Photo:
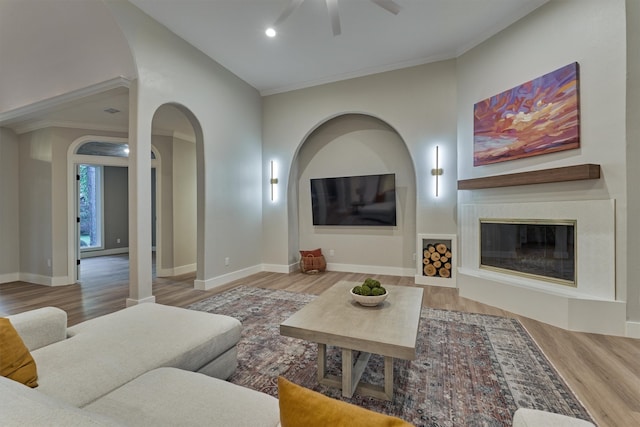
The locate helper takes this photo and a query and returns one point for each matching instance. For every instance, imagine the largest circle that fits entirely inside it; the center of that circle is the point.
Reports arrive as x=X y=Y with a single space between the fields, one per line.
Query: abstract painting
x=538 y=117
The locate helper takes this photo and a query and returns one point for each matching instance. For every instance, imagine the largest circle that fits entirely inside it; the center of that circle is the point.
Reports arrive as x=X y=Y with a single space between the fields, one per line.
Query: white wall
x=359 y=145
x=184 y=205
x=164 y=179
x=227 y=112
x=35 y=159
x=43 y=197
x=633 y=160
x=417 y=102
x=9 y=207
x=50 y=48
x=592 y=33
x=44 y=213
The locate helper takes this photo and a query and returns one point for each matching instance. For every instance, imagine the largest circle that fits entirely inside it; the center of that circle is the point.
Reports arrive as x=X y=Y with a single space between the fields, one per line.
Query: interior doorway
x=99 y=201
x=177 y=193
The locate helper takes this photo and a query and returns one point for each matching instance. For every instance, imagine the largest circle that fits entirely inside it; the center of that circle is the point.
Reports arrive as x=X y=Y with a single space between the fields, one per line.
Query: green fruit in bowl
x=378 y=291
x=367 y=290
x=371 y=283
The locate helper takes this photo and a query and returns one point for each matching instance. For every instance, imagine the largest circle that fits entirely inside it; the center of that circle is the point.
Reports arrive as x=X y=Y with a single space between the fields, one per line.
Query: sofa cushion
x=22 y=406
x=106 y=352
x=41 y=327
x=301 y=407
x=16 y=362
x=171 y=397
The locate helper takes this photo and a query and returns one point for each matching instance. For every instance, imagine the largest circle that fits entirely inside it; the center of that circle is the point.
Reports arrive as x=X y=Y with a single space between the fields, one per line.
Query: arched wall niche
x=351 y=144
x=177 y=134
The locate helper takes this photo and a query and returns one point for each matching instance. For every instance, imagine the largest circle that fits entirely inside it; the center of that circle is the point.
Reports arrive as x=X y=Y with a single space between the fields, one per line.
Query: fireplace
x=589 y=304
x=538 y=249
x=592 y=253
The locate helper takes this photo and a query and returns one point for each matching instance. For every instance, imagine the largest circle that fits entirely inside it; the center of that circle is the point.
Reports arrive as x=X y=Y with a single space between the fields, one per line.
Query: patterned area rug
x=471 y=370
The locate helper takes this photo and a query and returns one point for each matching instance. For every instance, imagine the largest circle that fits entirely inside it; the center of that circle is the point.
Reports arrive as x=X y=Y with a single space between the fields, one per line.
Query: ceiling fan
x=332 y=5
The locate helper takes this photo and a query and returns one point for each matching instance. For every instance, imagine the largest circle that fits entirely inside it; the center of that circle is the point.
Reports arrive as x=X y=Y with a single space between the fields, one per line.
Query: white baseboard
x=214 y=282
x=131 y=301
x=372 y=269
x=280 y=268
x=114 y=251
x=347 y=268
x=177 y=271
x=448 y=282
x=633 y=329
x=45 y=280
x=8 y=278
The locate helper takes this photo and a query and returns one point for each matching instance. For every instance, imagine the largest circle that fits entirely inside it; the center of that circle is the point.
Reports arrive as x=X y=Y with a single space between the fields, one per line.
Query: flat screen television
x=354 y=200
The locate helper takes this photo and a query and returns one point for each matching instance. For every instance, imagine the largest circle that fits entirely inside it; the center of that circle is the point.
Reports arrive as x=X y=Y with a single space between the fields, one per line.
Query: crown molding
x=24 y=112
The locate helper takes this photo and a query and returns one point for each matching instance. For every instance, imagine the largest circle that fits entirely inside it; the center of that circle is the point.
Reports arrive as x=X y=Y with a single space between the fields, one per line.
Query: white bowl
x=369 y=301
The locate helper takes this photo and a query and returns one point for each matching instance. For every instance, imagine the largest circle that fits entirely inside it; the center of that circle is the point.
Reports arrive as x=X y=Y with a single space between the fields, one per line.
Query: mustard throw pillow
x=301 y=407
x=16 y=362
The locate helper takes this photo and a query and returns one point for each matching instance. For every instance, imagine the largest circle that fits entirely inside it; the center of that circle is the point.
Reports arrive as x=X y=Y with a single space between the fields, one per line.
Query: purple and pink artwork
x=537 y=117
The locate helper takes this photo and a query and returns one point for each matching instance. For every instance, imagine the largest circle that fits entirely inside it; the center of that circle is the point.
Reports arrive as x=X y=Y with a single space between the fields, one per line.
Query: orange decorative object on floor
x=312 y=261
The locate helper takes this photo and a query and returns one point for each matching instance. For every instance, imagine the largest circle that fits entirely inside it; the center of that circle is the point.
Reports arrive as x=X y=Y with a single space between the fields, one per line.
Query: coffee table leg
x=388 y=377
x=349 y=381
x=347 y=376
x=322 y=362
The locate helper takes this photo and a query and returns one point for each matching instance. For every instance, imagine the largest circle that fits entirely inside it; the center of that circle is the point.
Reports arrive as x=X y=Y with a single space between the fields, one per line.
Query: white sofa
x=149 y=364
x=145 y=366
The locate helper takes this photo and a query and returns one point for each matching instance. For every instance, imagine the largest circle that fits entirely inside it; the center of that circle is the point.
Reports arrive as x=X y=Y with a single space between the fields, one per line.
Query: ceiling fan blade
x=332 y=5
x=388 y=5
x=293 y=5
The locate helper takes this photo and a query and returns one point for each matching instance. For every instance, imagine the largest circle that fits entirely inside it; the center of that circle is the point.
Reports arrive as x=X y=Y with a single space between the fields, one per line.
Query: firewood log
x=430 y=270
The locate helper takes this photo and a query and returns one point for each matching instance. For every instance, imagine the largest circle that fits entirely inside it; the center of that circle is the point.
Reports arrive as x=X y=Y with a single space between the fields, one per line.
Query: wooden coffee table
x=389 y=329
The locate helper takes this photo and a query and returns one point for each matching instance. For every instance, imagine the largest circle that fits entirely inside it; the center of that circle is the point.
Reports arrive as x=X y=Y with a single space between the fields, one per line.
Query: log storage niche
x=436 y=260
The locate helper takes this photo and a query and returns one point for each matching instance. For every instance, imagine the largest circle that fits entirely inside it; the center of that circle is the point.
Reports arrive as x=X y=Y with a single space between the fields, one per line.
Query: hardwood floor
x=604 y=371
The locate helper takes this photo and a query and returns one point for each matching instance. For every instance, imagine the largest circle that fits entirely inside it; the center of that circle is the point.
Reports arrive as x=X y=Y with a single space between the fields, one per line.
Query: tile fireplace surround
x=590 y=306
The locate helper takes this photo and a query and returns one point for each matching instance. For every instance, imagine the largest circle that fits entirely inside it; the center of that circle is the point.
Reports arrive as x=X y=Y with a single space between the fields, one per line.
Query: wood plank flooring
x=604 y=371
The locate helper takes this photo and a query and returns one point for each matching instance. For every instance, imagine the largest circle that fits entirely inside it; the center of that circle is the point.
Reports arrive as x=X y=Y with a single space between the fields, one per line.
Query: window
x=110 y=149
x=90 y=207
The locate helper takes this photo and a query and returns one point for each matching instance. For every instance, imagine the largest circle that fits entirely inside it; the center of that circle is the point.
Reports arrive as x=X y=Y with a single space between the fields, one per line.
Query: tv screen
x=354 y=200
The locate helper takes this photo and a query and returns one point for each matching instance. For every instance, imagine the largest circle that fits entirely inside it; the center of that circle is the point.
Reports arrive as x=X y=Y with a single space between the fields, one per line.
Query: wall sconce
x=273 y=181
x=438 y=170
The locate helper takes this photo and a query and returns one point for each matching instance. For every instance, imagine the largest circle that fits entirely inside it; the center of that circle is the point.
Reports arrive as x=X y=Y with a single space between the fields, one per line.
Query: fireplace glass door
x=540 y=249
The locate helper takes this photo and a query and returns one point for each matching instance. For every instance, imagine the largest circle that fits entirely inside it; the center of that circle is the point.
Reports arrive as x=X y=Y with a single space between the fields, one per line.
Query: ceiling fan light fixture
x=334 y=15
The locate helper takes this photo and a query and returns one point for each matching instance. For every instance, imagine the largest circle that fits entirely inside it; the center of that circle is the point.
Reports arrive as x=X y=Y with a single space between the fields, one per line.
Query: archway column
x=140 y=269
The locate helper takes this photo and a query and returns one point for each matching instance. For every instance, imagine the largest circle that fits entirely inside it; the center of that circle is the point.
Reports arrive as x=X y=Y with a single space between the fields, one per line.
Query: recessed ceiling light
x=271 y=32
x=111 y=110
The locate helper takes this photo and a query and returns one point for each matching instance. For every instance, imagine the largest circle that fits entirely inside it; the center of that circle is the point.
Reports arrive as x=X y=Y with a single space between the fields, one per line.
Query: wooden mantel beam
x=561 y=174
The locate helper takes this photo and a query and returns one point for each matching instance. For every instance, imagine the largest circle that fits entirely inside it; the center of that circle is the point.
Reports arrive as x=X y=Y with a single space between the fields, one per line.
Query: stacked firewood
x=437 y=260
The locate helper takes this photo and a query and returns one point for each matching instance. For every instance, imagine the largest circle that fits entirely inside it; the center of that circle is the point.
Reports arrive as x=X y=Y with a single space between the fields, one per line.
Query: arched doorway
x=177 y=135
